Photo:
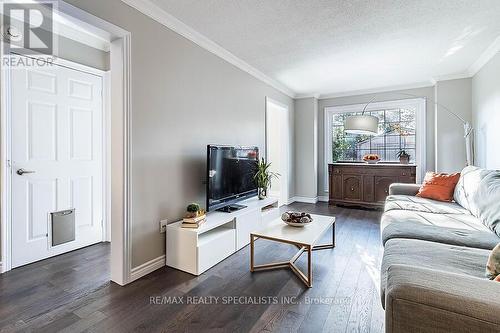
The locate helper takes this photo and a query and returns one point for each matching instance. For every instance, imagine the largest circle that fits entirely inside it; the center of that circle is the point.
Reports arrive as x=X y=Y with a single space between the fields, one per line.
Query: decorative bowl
x=371 y=158
x=296 y=219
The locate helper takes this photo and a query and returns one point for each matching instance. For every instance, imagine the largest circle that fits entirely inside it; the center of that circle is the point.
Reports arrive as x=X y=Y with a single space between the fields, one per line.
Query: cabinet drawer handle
x=352 y=188
x=404 y=173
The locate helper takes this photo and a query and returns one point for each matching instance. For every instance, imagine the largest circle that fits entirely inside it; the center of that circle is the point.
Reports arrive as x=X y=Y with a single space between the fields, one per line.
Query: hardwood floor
x=71 y=292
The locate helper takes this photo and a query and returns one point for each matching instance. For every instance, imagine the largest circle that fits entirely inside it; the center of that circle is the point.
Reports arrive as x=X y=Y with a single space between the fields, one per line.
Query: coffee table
x=304 y=238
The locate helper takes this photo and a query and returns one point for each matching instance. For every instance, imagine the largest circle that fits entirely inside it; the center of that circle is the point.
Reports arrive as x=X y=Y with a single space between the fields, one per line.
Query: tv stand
x=196 y=250
x=231 y=208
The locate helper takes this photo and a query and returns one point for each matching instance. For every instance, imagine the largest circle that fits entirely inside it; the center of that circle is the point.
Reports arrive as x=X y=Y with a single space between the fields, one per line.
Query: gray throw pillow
x=486 y=201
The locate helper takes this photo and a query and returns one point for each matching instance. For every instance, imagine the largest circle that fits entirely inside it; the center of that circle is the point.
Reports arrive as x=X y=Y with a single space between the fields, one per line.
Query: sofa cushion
x=448 y=258
x=418 y=204
x=478 y=190
x=455 y=229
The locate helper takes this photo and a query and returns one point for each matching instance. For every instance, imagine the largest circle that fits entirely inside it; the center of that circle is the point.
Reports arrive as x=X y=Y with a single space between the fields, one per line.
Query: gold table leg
x=327 y=246
x=306 y=279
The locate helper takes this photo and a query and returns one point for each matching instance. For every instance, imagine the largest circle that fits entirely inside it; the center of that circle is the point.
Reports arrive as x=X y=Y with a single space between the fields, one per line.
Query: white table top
x=307 y=235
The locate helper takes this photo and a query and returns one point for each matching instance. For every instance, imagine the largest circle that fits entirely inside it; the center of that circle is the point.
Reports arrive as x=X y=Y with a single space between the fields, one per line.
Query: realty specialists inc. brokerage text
x=242 y=300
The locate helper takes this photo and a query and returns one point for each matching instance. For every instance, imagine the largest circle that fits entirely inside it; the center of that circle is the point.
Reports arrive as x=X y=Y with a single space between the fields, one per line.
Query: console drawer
x=214 y=246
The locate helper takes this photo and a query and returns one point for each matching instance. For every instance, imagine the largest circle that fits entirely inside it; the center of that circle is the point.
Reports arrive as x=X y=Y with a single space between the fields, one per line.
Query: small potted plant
x=263 y=177
x=404 y=157
x=194 y=210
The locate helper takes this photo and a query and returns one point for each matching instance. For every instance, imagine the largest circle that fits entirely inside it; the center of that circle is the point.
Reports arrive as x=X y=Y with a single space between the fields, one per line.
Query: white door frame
x=286 y=191
x=116 y=152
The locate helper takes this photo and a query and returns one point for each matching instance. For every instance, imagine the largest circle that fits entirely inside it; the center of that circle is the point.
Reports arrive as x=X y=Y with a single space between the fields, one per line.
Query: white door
x=56 y=136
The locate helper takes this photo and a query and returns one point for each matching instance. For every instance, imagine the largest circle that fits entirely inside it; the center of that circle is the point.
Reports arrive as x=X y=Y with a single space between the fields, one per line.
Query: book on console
x=194 y=219
x=193 y=225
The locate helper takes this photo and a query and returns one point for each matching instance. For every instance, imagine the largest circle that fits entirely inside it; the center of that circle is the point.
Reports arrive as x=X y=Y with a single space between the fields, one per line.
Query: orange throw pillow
x=439 y=186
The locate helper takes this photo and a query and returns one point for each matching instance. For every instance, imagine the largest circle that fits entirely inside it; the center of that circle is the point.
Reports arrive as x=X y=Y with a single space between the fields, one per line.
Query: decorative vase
x=262 y=193
x=404 y=160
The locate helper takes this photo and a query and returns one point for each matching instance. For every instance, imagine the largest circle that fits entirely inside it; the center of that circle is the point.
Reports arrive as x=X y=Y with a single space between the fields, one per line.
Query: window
x=396 y=132
x=401 y=126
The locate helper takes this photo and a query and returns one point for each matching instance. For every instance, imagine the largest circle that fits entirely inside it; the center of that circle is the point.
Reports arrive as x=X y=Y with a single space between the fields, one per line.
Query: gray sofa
x=435 y=254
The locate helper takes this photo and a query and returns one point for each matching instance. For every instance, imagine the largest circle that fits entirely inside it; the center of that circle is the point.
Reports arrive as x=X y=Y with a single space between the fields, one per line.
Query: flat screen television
x=230 y=171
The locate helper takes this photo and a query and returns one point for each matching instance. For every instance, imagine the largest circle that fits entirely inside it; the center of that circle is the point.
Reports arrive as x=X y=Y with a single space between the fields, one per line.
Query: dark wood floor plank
x=346 y=290
x=72 y=292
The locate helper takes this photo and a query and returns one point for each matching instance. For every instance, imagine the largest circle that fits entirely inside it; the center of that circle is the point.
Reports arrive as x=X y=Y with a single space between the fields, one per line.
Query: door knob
x=21 y=172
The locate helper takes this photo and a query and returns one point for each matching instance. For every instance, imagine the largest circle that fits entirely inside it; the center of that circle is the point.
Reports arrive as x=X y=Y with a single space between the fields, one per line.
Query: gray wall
x=427 y=92
x=486 y=113
x=183 y=97
x=83 y=54
x=455 y=95
x=306 y=147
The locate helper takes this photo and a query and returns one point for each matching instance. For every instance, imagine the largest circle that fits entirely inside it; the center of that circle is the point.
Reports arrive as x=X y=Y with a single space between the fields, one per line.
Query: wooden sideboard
x=366 y=185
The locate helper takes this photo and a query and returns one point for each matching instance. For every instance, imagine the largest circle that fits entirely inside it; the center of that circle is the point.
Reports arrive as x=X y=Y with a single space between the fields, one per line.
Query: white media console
x=196 y=250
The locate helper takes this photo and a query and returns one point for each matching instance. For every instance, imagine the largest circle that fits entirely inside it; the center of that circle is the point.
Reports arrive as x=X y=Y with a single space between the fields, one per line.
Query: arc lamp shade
x=361 y=124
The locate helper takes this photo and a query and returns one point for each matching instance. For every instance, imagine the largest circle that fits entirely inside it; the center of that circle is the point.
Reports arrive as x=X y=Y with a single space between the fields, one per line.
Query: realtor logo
x=29 y=28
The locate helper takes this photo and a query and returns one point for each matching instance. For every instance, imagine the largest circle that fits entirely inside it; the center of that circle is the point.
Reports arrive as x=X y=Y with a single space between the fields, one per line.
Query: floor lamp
x=368 y=125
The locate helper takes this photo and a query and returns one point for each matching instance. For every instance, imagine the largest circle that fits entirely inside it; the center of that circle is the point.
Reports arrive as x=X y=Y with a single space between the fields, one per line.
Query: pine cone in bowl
x=296 y=219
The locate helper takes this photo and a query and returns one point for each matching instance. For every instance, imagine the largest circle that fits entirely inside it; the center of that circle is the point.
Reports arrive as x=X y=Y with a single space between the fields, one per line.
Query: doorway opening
x=64 y=127
x=278 y=148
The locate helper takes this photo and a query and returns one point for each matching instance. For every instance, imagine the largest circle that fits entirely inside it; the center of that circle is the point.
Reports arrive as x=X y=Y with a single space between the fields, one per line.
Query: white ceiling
x=337 y=46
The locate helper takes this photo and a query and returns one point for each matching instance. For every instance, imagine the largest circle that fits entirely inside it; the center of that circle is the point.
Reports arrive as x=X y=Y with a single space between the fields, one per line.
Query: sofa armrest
x=426 y=300
x=404 y=189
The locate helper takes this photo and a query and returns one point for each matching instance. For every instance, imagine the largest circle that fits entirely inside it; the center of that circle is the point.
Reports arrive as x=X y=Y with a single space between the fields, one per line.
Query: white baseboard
x=323 y=198
x=311 y=200
x=146 y=268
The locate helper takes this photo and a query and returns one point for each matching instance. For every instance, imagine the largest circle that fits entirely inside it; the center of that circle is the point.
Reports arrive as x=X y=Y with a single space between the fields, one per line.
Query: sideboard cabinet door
x=351 y=187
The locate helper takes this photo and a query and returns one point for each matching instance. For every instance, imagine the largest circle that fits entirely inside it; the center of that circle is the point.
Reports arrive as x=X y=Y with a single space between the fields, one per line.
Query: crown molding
x=387 y=89
x=485 y=57
x=300 y=96
x=161 y=16
x=457 y=76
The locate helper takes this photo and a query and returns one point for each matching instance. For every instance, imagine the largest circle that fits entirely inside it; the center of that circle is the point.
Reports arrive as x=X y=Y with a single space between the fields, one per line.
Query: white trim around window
x=419 y=104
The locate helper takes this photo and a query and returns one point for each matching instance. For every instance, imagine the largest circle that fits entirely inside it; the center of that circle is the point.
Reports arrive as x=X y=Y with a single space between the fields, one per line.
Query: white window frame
x=419 y=104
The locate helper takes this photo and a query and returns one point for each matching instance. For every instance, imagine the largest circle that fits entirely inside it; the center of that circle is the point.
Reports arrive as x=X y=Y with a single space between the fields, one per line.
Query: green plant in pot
x=194 y=210
x=404 y=157
x=263 y=177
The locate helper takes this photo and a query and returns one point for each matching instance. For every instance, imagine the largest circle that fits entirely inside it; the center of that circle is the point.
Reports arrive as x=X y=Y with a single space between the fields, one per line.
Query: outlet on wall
x=163 y=226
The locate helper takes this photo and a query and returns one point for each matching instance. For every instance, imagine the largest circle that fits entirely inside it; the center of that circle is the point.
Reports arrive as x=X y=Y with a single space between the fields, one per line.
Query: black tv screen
x=230 y=171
